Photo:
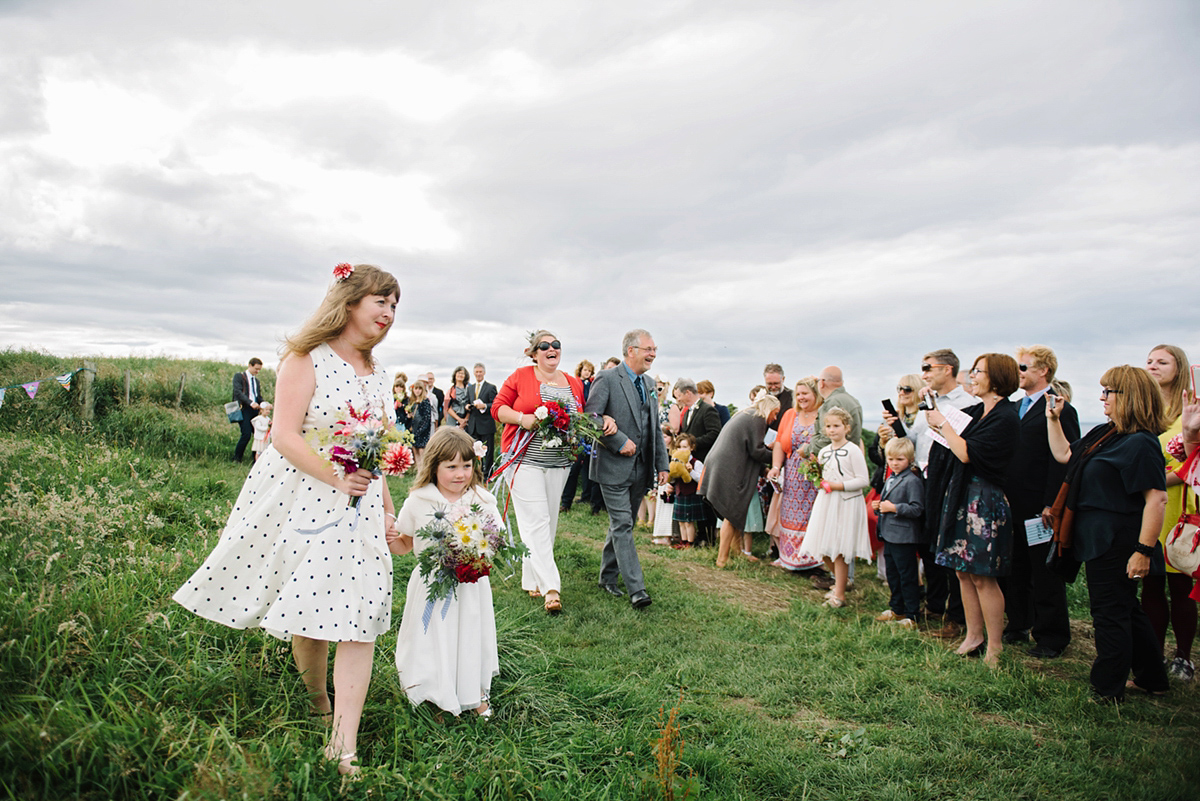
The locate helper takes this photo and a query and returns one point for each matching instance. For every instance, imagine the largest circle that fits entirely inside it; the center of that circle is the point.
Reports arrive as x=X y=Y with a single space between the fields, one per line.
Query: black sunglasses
x=925 y=368
x=555 y=345
x=1022 y=367
x=904 y=389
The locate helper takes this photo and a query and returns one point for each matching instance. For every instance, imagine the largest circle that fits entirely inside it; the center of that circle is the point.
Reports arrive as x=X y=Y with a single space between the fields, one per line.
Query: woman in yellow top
x=1168 y=365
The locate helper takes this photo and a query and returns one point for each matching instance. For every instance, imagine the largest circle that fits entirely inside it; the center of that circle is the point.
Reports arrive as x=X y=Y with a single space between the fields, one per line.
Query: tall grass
x=109 y=690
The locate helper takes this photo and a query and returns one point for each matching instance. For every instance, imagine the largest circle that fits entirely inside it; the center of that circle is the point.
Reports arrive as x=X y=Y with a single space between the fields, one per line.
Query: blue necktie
x=1026 y=402
x=637 y=382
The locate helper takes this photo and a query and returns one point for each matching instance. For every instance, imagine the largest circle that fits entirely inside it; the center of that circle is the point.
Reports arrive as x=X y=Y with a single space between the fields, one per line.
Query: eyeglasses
x=904 y=389
x=977 y=371
x=555 y=345
x=925 y=368
x=1105 y=392
x=648 y=350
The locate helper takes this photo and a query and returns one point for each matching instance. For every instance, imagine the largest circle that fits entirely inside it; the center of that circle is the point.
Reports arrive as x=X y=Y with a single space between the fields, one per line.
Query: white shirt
x=918 y=432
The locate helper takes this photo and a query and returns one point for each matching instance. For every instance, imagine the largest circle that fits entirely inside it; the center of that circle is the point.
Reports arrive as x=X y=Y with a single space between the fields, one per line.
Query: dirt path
x=753 y=596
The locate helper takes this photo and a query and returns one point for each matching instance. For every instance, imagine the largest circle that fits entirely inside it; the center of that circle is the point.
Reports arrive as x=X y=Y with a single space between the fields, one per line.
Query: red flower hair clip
x=343 y=271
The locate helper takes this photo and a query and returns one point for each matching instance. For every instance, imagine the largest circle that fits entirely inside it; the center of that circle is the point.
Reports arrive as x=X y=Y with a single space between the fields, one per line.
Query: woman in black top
x=1117 y=489
x=974 y=524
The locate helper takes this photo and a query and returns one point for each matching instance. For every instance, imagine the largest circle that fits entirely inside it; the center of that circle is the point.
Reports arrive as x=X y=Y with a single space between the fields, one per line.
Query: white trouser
x=536 y=493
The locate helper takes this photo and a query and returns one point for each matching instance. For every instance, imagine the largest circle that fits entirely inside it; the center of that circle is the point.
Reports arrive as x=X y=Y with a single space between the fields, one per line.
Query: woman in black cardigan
x=973 y=523
x=1117 y=489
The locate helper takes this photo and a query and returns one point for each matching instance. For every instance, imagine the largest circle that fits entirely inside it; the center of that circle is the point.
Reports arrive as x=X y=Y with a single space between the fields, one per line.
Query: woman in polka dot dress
x=294 y=559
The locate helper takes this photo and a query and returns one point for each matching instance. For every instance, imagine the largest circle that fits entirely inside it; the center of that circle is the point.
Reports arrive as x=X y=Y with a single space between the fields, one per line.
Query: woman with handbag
x=1116 y=495
x=1168 y=366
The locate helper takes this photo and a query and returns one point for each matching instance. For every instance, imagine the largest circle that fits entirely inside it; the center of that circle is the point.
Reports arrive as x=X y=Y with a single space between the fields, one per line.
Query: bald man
x=829 y=384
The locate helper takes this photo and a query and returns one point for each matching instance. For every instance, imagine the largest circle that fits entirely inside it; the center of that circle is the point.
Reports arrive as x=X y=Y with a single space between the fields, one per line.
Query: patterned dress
x=294 y=558
x=799 y=494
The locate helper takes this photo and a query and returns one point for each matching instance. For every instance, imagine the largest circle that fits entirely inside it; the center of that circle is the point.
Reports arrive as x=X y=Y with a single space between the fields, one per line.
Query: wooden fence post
x=87 y=397
x=179 y=397
x=127 y=382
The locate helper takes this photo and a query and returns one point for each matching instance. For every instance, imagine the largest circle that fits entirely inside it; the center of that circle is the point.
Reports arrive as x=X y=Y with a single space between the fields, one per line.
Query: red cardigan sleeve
x=522 y=393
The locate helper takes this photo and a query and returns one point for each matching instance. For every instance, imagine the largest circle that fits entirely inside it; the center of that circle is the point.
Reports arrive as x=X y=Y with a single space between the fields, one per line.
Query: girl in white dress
x=447 y=657
x=837 y=529
x=293 y=559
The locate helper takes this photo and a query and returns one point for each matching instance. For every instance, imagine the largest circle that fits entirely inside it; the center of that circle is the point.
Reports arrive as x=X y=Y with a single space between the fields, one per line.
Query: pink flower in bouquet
x=343 y=460
x=397 y=459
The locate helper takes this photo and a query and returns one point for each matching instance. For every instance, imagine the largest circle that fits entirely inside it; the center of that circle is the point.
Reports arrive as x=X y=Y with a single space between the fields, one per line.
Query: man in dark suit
x=480 y=424
x=773 y=380
x=1035 y=598
x=697 y=417
x=247 y=393
x=630 y=460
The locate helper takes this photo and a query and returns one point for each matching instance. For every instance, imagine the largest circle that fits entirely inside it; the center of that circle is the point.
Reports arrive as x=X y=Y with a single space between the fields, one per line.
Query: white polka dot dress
x=294 y=558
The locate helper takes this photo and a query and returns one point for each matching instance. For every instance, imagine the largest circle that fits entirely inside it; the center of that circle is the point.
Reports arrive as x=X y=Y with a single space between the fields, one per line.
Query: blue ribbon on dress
x=353 y=526
x=427 y=614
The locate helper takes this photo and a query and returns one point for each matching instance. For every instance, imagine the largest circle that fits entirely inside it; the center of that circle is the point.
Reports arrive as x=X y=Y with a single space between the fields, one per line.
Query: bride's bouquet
x=365 y=441
x=468 y=543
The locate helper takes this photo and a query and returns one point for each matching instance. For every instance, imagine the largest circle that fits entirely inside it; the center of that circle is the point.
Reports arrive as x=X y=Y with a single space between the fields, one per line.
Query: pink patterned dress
x=798 y=497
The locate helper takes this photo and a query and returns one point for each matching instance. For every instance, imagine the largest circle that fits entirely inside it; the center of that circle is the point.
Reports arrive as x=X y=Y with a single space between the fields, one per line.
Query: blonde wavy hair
x=330 y=318
x=809 y=381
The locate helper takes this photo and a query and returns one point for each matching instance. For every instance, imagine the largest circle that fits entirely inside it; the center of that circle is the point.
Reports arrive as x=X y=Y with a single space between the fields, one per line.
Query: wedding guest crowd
x=1001 y=501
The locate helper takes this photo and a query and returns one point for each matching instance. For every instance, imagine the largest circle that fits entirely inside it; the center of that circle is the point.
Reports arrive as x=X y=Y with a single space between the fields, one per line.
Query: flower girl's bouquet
x=468 y=543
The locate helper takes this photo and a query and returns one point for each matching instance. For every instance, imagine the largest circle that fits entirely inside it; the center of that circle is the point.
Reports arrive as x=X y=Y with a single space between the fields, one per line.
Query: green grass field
x=109 y=690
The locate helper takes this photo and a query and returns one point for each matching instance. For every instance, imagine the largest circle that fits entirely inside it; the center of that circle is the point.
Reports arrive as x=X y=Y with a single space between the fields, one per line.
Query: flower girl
x=446 y=648
x=837 y=529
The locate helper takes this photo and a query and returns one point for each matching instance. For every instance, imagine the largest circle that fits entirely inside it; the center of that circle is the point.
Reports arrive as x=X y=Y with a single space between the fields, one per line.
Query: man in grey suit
x=630 y=455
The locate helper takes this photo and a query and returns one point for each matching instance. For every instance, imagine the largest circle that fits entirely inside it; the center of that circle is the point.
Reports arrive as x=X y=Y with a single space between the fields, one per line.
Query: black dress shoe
x=612 y=589
x=640 y=599
x=1015 y=637
x=1045 y=652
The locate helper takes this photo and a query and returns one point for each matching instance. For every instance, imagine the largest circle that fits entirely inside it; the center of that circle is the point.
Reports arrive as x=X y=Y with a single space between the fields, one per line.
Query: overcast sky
x=807 y=183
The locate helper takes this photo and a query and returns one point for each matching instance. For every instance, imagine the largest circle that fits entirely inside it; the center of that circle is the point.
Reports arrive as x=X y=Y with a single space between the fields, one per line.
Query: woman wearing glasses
x=1116 y=479
x=974 y=524
x=536 y=474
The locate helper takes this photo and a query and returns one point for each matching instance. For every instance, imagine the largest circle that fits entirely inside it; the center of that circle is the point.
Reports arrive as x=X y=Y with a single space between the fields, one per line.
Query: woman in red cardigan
x=536 y=478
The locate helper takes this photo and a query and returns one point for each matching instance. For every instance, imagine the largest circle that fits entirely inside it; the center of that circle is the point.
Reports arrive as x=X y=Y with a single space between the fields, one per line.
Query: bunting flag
x=31 y=387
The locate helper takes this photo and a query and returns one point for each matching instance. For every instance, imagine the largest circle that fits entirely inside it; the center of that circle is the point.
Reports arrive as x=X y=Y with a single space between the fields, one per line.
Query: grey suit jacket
x=907 y=524
x=614 y=394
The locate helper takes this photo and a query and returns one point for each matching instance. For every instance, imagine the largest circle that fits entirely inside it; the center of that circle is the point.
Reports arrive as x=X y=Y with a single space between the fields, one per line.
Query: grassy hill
x=109 y=690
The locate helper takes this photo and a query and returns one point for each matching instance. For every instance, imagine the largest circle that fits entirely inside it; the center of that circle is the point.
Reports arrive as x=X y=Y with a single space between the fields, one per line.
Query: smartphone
x=890 y=408
x=1196 y=382
x=1051 y=399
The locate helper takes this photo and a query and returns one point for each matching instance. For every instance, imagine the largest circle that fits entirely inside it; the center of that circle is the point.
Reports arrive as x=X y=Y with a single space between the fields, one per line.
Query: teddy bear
x=679 y=470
